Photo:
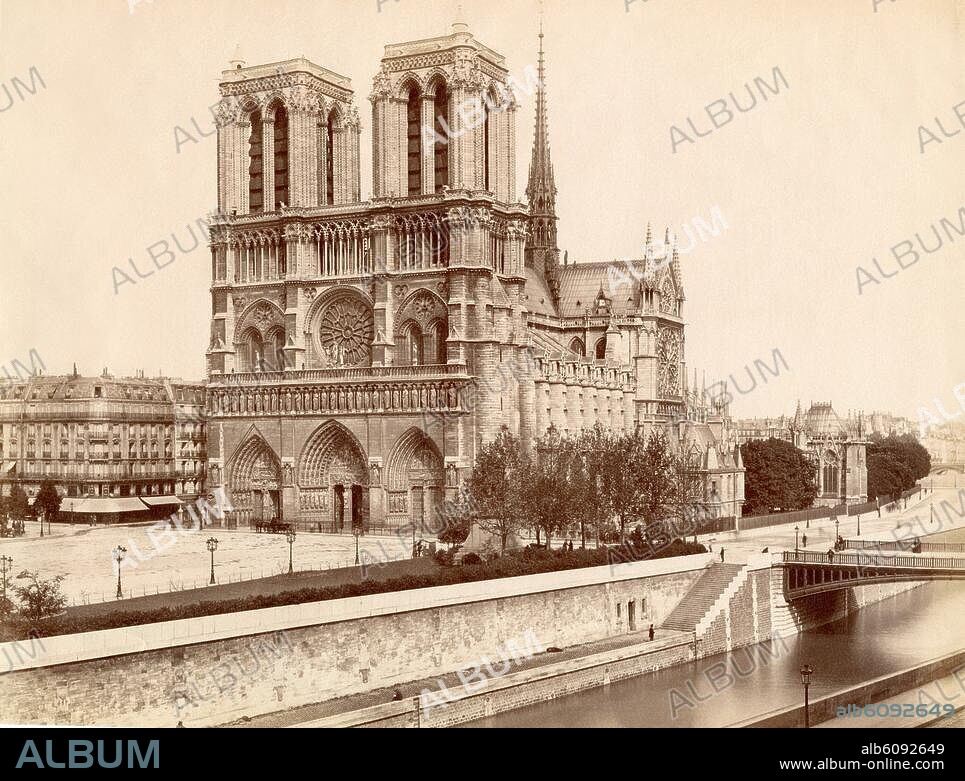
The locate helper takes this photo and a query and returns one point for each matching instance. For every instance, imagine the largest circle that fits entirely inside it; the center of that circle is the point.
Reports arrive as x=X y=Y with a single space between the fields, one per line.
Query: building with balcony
x=112 y=446
x=363 y=352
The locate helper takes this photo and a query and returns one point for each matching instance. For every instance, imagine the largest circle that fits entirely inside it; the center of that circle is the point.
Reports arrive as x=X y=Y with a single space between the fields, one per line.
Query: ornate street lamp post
x=290 y=536
x=181 y=516
x=212 y=547
x=6 y=565
x=806 y=672
x=119 y=553
x=797 y=529
x=357 y=531
x=836 y=525
x=41 y=525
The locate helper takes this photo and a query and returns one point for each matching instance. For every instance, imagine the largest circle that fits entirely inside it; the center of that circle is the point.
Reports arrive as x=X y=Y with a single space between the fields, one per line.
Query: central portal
x=332 y=482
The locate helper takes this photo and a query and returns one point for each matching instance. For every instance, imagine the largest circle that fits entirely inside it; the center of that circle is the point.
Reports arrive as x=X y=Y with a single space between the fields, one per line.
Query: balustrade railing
x=869 y=560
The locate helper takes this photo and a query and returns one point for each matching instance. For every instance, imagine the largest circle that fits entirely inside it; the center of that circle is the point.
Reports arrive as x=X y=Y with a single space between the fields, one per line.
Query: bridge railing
x=866 y=560
x=905 y=545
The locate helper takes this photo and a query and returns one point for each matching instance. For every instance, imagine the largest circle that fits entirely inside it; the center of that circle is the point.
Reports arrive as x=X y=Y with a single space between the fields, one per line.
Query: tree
x=687 y=486
x=622 y=481
x=549 y=499
x=19 y=506
x=39 y=598
x=48 y=499
x=895 y=464
x=595 y=447
x=778 y=476
x=655 y=477
x=496 y=486
x=457 y=520
x=887 y=476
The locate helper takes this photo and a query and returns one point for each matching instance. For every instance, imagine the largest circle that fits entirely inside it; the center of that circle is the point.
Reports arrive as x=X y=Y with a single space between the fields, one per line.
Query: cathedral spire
x=542 y=248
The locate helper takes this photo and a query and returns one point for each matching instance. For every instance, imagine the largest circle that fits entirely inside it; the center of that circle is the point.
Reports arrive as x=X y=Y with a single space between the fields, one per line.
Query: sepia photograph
x=535 y=364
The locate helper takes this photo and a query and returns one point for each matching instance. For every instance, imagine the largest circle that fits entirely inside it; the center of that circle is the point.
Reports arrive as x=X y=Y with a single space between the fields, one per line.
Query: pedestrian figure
x=397 y=694
x=180 y=725
x=721 y=554
x=831 y=556
x=651 y=632
x=804 y=541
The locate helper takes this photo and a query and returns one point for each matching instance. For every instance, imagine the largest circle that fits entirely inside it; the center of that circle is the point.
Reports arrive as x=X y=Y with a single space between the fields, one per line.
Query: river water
x=900 y=632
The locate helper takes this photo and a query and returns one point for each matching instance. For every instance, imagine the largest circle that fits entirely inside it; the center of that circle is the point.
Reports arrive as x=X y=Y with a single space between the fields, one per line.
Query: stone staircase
x=702 y=597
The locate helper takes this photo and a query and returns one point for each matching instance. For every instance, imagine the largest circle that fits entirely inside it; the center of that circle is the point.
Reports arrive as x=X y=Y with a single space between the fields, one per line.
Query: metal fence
x=905 y=546
x=795 y=516
x=864 y=560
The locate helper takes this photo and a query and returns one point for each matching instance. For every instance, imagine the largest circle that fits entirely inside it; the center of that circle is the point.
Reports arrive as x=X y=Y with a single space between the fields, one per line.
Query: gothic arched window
x=441 y=334
x=281 y=156
x=414 y=134
x=440 y=110
x=253 y=351
x=601 y=348
x=274 y=359
x=576 y=346
x=330 y=159
x=413 y=352
x=256 y=187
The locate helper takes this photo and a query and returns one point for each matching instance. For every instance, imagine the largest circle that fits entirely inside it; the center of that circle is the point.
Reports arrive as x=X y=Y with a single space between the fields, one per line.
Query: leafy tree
x=623 y=486
x=549 y=499
x=895 y=464
x=496 y=486
x=457 y=520
x=655 y=477
x=596 y=447
x=48 y=499
x=687 y=487
x=39 y=598
x=778 y=476
x=19 y=506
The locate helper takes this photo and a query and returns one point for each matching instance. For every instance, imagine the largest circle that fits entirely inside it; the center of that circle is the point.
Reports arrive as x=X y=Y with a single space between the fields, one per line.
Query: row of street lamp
x=120 y=552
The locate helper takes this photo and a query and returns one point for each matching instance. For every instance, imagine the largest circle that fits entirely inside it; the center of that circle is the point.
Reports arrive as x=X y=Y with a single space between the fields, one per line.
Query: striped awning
x=104 y=504
x=155 y=501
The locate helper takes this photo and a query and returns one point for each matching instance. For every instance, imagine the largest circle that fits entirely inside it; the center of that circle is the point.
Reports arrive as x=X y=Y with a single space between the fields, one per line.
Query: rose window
x=346 y=333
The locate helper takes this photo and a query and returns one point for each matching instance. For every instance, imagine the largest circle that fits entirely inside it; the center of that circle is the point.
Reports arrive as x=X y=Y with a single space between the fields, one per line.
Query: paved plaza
x=82 y=555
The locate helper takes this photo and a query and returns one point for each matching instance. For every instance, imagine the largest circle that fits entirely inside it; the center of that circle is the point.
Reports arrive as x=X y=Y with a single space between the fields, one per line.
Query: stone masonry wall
x=214 y=682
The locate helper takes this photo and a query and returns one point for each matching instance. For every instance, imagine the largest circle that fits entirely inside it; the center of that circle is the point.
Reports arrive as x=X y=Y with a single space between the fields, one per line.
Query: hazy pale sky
x=821 y=178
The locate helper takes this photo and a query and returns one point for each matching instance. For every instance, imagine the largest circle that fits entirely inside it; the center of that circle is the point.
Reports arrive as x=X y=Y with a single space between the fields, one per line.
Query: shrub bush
x=471 y=558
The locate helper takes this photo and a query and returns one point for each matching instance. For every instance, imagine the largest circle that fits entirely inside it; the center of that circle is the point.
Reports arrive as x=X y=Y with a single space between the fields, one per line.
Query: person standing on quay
x=722 y=554
x=651 y=633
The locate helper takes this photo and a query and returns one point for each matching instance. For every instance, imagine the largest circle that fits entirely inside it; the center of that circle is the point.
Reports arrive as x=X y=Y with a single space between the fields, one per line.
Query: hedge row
x=531 y=561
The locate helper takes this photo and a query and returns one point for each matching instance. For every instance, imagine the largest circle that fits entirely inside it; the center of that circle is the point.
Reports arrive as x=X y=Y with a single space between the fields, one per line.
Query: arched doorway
x=415 y=483
x=333 y=490
x=254 y=481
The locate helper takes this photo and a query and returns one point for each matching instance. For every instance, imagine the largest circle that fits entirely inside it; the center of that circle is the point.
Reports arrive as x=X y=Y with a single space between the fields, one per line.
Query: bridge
x=807 y=573
x=946 y=474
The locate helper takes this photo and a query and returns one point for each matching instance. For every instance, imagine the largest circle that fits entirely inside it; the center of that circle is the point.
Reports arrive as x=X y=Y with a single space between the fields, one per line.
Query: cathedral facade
x=362 y=352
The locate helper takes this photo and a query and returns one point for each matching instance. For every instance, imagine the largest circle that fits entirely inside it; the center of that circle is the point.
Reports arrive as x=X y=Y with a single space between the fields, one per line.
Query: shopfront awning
x=155 y=501
x=9 y=466
x=103 y=504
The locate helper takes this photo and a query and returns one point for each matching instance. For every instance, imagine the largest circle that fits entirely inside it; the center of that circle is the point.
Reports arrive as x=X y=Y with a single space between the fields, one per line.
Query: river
x=900 y=632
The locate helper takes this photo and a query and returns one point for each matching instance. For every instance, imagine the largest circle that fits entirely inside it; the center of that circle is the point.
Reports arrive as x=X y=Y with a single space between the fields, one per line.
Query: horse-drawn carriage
x=273 y=527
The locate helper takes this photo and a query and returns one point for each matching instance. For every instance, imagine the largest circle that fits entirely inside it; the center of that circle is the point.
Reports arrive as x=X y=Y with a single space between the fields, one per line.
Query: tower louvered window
x=256 y=188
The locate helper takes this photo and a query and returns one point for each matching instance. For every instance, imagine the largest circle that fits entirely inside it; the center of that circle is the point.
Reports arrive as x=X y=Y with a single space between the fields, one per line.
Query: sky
x=819 y=179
